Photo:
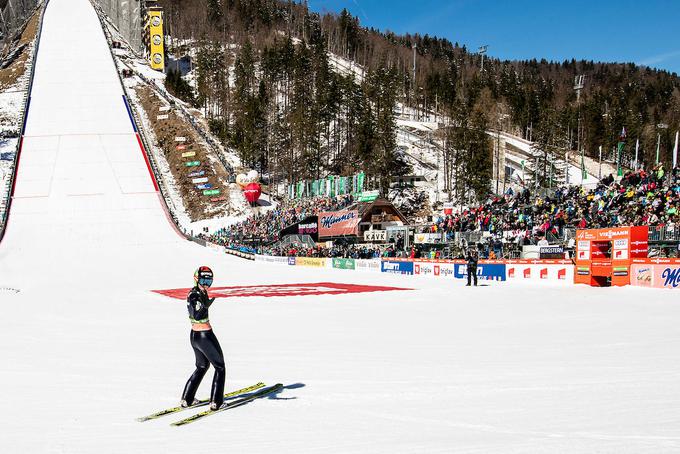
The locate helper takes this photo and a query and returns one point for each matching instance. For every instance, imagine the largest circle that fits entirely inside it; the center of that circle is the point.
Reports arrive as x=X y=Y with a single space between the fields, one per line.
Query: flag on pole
x=620 y=146
x=637 y=149
x=675 y=150
x=584 y=174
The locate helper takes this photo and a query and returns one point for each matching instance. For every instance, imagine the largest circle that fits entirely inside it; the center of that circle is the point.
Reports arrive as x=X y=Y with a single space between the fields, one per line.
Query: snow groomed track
x=86 y=346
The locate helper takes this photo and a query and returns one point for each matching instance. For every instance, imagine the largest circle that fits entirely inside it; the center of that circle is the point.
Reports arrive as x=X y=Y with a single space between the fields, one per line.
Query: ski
x=200 y=403
x=226 y=406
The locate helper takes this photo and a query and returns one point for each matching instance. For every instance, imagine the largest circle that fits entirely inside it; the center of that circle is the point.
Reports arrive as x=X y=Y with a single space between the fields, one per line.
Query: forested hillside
x=274 y=81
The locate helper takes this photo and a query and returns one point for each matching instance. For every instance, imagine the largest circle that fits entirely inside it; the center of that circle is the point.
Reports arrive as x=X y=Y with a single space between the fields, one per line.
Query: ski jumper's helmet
x=203 y=276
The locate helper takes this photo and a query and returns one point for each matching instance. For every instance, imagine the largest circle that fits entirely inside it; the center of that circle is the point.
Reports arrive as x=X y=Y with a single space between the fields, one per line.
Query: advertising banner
x=189 y=154
x=344 y=264
x=204 y=186
x=485 y=271
x=312 y=262
x=211 y=192
x=375 y=235
x=156 y=40
x=162 y=117
x=655 y=275
x=271 y=259
x=200 y=180
x=338 y=223
x=368 y=265
x=551 y=252
x=397 y=267
x=428 y=238
x=200 y=173
x=192 y=164
x=562 y=271
x=292 y=261
x=308 y=226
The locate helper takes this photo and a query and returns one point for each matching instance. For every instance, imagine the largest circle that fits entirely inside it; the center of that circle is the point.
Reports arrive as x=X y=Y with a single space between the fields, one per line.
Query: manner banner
x=655 y=275
x=338 y=223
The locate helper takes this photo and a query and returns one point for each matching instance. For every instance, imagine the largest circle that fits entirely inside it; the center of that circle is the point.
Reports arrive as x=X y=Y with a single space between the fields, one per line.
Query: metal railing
x=664 y=234
x=126 y=16
x=7 y=191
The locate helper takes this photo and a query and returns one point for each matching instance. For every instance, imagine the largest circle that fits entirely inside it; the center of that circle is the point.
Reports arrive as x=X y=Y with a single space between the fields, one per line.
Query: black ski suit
x=206 y=348
x=472 y=260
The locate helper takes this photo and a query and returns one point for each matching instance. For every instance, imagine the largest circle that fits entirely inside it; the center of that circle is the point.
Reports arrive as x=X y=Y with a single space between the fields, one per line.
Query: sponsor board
x=392 y=267
x=271 y=259
x=180 y=139
x=180 y=147
x=551 y=252
x=199 y=180
x=219 y=199
x=200 y=173
x=162 y=117
x=656 y=275
x=428 y=238
x=485 y=271
x=291 y=261
x=583 y=248
x=204 y=186
x=368 y=265
x=620 y=271
x=211 y=192
x=375 y=235
x=369 y=196
x=164 y=108
x=188 y=154
x=282 y=290
x=311 y=262
x=192 y=164
x=338 y=223
x=344 y=264
x=563 y=272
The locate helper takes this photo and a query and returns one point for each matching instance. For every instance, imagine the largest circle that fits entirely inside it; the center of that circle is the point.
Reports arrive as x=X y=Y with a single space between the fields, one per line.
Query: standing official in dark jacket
x=472 y=259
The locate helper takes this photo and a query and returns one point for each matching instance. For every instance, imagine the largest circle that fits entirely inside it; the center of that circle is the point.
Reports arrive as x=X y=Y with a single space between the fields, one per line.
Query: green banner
x=344 y=264
x=368 y=196
x=211 y=192
x=360 y=182
x=192 y=164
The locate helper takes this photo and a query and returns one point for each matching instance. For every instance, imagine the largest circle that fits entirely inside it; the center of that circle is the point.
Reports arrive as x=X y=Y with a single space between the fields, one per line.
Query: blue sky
x=642 y=32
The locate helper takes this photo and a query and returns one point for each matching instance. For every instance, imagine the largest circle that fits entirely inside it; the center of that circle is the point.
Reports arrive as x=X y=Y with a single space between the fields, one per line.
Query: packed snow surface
x=86 y=347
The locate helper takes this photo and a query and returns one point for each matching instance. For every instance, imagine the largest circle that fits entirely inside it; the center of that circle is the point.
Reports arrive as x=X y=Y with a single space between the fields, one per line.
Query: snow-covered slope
x=85 y=346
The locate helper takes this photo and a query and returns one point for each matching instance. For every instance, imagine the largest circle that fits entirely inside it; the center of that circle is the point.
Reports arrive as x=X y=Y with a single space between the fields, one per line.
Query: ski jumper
x=206 y=348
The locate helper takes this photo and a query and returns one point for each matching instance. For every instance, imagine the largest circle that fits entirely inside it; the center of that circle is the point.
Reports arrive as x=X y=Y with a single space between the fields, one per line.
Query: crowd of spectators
x=513 y=219
x=639 y=198
x=348 y=251
x=264 y=228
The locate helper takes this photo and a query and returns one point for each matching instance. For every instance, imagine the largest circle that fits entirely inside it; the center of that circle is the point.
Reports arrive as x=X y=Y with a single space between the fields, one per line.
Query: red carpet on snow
x=321 y=288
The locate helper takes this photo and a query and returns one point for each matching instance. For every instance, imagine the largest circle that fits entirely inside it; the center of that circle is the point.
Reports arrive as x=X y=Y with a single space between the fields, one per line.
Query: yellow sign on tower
x=156 y=41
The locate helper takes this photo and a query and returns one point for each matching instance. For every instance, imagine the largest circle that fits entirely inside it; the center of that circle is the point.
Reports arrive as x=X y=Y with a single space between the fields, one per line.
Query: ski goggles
x=205 y=281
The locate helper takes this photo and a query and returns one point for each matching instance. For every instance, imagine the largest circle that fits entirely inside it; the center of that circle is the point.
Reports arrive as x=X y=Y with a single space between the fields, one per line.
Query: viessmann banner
x=338 y=223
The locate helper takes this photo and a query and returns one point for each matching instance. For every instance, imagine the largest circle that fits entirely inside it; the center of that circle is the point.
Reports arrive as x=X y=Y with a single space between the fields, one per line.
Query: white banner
x=162 y=117
x=199 y=180
x=428 y=238
x=180 y=139
x=375 y=235
x=368 y=265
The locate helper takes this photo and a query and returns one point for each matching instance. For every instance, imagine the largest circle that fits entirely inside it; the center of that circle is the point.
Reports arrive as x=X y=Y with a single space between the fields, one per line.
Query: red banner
x=338 y=223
